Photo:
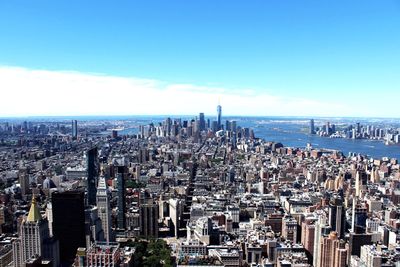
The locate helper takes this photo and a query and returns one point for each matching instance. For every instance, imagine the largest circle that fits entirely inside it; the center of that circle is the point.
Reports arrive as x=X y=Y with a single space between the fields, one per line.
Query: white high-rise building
x=370 y=256
x=175 y=213
x=320 y=227
x=49 y=215
x=103 y=205
x=34 y=230
x=358 y=184
x=35 y=239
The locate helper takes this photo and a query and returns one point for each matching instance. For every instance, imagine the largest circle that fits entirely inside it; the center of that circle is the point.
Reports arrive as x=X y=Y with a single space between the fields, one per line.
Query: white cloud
x=26 y=92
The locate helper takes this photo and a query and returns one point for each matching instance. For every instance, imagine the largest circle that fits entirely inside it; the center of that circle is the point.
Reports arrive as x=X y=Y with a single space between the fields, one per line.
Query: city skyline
x=200 y=133
x=314 y=59
x=199 y=189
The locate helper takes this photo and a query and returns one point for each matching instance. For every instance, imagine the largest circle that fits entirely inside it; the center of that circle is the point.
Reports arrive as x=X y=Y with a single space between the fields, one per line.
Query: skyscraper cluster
x=192 y=191
x=357 y=131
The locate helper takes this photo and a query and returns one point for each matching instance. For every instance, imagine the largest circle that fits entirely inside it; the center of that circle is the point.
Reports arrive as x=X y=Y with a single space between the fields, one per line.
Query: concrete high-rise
x=176 y=207
x=149 y=220
x=371 y=255
x=35 y=238
x=168 y=126
x=307 y=235
x=337 y=219
x=23 y=177
x=333 y=253
x=321 y=230
x=92 y=173
x=328 y=128
x=289 y=229
x=34 y=230
x=103 y=205
x=358 y=184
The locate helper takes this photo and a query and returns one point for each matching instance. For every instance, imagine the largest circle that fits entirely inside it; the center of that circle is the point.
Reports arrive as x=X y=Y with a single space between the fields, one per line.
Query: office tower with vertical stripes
x=103 y=205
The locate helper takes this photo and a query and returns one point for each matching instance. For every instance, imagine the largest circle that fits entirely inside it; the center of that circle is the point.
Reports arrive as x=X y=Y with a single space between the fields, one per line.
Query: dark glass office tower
x=121 y=172
x=69 y=223
x=360 y=218
x=149 y=220
x=337 y=219
x=202 y=122
x=312 y=126
x=92 y=174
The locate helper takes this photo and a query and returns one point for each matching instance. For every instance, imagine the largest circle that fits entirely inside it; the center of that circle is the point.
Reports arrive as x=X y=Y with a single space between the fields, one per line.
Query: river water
x=293 y=132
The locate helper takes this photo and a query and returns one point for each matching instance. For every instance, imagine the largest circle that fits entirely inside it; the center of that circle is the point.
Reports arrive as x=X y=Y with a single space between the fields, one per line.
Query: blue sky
x=338 y=58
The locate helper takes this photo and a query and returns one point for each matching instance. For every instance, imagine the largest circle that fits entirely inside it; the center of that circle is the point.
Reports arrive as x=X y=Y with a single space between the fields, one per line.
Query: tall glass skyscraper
x=69 y=223
x=74 y=129
x=312 y=127
x=92 y=173
x=121 y=173
x=202 y=122
x=219 y=114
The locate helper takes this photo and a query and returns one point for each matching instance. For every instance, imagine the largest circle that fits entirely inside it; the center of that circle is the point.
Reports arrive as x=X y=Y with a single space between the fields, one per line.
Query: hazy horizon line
x=192 y=115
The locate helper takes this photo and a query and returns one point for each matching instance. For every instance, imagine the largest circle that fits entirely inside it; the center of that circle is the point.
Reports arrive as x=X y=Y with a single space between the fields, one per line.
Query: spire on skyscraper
x=34 y=213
